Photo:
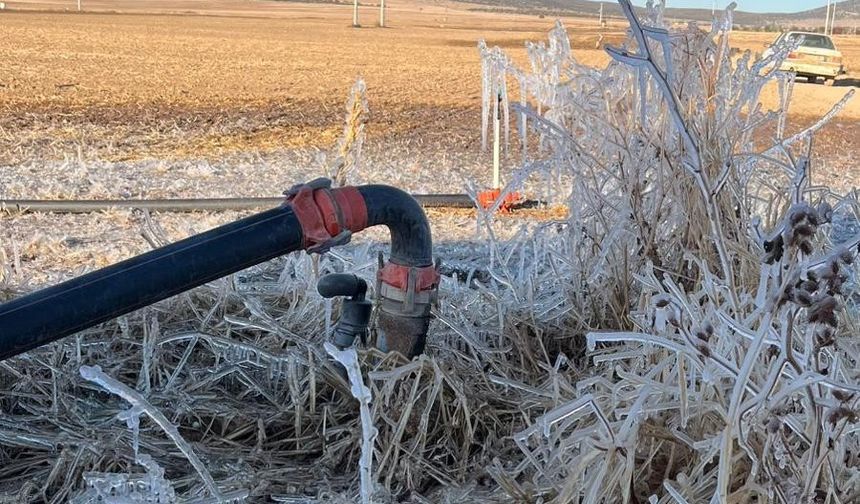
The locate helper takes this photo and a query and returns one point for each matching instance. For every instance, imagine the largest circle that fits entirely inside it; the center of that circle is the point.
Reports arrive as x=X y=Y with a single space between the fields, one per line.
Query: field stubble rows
x=241 y=99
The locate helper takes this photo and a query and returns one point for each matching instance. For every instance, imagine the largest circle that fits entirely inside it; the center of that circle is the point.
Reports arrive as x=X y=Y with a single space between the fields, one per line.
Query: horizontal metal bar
x=194 y=205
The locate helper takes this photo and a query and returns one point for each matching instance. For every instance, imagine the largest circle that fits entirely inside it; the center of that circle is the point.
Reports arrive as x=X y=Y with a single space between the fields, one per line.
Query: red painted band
x=309 y=217
x=353 y=208
x=397 y=276
x=325 y=213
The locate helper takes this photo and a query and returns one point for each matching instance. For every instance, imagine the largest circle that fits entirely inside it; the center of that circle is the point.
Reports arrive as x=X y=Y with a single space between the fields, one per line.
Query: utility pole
x=827 y=20
x=382 y=13
x=833 y=17
x=79 y=5
x=355 y=14
x=601 y=14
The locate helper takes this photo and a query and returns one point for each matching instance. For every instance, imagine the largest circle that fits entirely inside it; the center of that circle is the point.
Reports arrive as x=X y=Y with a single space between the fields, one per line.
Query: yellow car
x=815 y=57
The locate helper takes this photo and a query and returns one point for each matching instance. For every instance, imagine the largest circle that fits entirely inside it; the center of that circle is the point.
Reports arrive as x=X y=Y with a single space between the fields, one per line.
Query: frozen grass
x=683 y=337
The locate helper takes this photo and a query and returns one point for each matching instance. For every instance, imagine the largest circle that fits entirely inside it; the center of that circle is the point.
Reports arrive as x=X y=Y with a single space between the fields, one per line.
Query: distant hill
x=848 y=12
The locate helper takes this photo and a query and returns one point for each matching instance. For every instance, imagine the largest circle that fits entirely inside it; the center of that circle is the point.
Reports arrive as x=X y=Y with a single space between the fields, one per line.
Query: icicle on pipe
x=349 y=359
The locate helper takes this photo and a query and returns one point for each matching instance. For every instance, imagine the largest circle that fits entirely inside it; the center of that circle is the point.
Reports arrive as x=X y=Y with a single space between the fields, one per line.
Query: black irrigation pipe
x=195 y=205
x=314 y=218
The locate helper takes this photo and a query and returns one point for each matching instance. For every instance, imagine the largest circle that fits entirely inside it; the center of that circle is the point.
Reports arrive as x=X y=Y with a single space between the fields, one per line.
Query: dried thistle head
x=809 y=285
x=802 y=225
x=823 y=311
x=846 y=257
x=786 y=295
x=824 y=212
x=842 y=395
x=841 y=413
x=824 y=337
x=773 y=250
x=705 y=333
x=802 y=298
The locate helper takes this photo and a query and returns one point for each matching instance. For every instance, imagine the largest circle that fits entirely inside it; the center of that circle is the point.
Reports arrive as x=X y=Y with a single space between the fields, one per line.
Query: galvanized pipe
x=194 y=205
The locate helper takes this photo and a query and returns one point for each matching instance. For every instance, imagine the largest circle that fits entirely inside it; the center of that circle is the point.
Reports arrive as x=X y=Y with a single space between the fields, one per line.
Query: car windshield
x=812 y=41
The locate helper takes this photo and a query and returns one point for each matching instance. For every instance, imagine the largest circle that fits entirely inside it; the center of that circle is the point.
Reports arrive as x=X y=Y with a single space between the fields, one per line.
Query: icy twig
x=140 y=405
x=349 y=359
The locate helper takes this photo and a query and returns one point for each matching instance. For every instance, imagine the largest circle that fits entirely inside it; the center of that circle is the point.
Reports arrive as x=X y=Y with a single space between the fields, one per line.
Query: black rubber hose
x=196 y=205
x=52 y=313
x=341 y=284
x=411 y=242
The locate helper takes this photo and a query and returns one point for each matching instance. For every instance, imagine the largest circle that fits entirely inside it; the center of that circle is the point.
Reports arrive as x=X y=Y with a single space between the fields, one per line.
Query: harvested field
x=226 y=98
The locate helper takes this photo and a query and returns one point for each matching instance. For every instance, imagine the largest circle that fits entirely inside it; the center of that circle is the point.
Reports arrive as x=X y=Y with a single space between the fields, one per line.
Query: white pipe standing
x=496 y=143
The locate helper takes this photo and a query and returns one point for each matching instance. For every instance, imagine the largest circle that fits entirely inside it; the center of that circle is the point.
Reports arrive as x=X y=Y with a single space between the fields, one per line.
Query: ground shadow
x=853 y=82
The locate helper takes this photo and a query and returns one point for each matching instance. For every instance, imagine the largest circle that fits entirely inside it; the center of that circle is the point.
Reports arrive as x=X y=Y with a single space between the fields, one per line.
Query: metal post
x=355 y=13
x=601 y=14
x=496 y=143
x=833 y=17
x=382 y=13
x=79 y=5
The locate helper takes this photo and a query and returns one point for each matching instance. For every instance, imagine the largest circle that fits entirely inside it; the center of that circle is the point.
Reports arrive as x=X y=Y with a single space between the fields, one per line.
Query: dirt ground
x=185 y=98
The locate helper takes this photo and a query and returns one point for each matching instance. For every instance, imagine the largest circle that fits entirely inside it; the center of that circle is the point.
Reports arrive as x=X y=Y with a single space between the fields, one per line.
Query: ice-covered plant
x=732 y=379
x=347 y=161
x=349 y=360
x=157 y=489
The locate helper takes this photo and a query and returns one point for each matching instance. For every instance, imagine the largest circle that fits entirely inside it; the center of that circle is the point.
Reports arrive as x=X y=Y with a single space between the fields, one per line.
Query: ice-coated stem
x=349 y=359
x=138 y=403
x=693 y=155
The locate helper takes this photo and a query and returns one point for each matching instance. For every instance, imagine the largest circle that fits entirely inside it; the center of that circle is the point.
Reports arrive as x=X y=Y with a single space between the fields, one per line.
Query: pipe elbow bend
x=407 y=284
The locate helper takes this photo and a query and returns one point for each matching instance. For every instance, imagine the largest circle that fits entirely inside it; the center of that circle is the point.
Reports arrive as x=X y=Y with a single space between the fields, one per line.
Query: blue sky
x=751 y=5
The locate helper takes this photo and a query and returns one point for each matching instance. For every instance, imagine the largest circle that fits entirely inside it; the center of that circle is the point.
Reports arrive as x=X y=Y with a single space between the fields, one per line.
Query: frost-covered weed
x=732 y=379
